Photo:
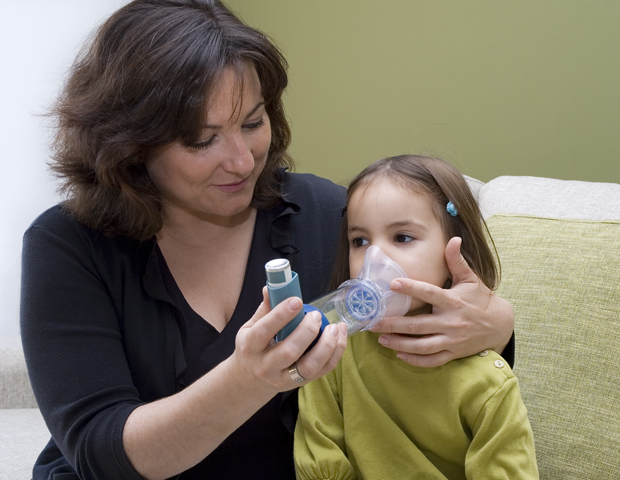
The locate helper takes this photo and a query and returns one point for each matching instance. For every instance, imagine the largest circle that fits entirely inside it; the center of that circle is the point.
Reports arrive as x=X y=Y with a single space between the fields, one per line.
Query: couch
x=559 y=247
x=23 y=433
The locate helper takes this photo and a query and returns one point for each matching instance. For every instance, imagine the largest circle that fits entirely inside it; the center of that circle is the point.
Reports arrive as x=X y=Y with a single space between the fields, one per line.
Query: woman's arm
x=171 y=435
x=466 y=319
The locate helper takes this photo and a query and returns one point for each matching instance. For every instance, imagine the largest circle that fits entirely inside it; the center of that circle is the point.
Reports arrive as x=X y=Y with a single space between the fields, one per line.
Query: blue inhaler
x=362 y=302
x=283 y=283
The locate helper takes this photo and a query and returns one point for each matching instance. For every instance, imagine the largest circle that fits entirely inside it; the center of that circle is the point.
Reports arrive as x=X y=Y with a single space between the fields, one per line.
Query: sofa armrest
x=548 y=197
x=15 y=389
x=23 y=435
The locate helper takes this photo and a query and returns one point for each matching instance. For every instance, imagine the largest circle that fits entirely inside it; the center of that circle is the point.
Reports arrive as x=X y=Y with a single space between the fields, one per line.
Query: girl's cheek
x=354 y=266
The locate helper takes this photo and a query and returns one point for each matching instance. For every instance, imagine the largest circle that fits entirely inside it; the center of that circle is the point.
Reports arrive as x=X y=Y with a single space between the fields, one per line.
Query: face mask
x=362 y=302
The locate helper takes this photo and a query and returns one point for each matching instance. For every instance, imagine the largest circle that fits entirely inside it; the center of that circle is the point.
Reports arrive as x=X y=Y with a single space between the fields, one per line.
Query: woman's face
x=214 y=179
x=402 y=224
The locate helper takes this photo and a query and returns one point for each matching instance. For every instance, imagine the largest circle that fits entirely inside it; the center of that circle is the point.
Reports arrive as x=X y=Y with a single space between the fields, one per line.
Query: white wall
x=38 y=41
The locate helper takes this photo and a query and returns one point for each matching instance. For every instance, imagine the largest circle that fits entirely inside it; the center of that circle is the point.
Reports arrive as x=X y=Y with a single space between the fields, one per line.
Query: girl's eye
x=403 y=238
x=255 y=125
x=359 y=242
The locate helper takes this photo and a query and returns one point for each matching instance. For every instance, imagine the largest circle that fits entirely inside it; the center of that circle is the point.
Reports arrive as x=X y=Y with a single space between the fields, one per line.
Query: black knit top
x=105 y=330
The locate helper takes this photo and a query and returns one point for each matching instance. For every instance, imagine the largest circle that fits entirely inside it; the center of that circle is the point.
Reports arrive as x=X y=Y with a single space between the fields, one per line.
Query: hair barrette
x=451 y=209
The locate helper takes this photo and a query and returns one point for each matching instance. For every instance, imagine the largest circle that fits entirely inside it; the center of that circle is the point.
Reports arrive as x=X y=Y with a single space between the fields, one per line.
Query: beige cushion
x=547 y=197
x=563 y=279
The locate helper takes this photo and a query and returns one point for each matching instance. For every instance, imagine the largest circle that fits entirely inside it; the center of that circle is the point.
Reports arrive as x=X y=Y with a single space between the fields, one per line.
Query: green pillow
x=563 y=279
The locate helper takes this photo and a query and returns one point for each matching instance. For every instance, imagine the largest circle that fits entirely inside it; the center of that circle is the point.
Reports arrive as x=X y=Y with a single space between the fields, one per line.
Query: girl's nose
x=382 y=245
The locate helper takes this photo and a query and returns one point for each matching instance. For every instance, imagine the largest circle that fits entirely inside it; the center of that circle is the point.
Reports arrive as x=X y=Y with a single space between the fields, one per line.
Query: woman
x=148 y=342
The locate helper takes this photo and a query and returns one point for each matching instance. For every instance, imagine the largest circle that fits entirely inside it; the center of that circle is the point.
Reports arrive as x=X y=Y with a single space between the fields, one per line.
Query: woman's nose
x=240 y=159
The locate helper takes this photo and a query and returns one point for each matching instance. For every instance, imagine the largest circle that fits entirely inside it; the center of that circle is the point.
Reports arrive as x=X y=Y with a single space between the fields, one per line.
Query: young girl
x=374 y=417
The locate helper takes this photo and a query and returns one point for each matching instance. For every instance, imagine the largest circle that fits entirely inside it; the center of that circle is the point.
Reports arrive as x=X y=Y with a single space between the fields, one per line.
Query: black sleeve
x=509 y=351
x=75 y=354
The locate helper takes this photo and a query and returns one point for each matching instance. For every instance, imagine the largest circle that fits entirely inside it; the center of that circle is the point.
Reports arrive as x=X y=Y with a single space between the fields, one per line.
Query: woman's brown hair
x=442 y=182
x=143 y=82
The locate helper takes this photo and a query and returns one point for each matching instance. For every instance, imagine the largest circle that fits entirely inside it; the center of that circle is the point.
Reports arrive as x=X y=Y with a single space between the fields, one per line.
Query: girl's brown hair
x=143 y=82
x=442 y=182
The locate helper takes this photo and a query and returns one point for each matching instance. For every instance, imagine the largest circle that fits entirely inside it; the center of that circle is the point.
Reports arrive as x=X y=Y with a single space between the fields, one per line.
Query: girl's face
x=403 y=225
x=214 y=179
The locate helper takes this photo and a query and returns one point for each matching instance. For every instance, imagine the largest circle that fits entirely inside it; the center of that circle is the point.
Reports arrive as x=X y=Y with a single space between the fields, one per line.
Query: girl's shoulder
x=471 y=380
x=487 y=361
x=478 y=379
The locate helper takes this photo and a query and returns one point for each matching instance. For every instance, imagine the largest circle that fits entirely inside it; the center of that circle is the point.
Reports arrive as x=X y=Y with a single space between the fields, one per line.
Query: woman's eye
x=255 y=125
x=204 y=144
x=359 y=242
x=403 y=238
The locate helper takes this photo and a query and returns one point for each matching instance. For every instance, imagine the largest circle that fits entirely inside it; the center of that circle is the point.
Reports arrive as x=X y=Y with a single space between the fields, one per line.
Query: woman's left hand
x=466 y=319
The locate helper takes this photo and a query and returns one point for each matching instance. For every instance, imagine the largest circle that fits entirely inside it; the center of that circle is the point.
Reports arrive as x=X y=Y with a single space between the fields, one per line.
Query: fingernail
x=396 y=285
x=384 y=341
x=376 y=327
x=333 y=329
x=294 y=303
x=402 y=356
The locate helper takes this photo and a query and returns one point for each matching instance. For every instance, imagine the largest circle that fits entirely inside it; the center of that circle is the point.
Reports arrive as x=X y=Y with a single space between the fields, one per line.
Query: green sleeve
x=320 y=451
x=502 y=446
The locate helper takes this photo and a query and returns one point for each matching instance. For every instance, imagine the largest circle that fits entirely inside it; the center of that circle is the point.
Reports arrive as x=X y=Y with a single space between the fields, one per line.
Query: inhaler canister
x=282 y=283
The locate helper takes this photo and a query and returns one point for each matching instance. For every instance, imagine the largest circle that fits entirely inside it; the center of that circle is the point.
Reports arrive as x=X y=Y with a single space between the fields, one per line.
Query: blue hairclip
x=451 y=209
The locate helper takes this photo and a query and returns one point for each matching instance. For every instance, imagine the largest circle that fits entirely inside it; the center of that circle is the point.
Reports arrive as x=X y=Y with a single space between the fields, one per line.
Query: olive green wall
x=497 y=87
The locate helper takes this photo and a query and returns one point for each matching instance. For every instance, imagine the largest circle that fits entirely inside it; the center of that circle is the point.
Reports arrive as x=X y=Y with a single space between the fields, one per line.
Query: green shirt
x=377 y=417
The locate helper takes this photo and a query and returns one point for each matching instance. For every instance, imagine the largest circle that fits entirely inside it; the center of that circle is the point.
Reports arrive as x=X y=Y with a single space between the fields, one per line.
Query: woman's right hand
x=166 y=437
x=261 y=359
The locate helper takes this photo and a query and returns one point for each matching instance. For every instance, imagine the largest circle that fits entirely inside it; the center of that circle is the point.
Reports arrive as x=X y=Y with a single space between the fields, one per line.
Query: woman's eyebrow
x=250 y=113
x=253 y=111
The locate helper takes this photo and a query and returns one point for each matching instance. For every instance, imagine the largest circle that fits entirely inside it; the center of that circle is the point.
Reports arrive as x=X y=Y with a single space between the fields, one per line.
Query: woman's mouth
x=232 y=187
